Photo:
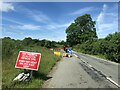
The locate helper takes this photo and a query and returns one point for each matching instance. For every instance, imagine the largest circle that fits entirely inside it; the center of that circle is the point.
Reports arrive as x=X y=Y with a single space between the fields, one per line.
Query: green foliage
x=113 y=48
x=83 y=30
x=10 y=50
x=27 y=41
x=82 y=36
x=35 y=42
x=9 y=46
x=108 y=47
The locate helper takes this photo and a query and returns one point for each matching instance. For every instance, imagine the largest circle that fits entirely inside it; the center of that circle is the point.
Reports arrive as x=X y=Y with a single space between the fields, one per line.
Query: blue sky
x=49 y=20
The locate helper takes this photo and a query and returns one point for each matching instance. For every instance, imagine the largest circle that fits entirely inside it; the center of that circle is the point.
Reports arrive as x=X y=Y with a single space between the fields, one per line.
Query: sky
x=49 y=20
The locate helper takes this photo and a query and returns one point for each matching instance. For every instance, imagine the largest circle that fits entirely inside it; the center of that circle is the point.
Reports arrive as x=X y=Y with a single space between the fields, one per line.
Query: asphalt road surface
x=83 y=71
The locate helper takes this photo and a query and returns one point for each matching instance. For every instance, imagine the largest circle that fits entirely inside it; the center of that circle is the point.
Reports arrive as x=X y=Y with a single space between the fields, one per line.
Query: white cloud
x=22 y=26
x=52 y=31
x=63 y=25
x=13 y=21
x=30 y=27
x=35 y=15
x=107 y=21
x=40 y=17
x=105 y=7
x=83 y=10
x=101 y=16
x=25 y=27
x=5 y=7
x=107 y=27
x=58 y=26
x=48 y=26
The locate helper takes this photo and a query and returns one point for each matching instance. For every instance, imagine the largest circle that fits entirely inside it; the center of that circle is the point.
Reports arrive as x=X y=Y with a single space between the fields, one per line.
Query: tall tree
x=27 y=41
x=82 y=30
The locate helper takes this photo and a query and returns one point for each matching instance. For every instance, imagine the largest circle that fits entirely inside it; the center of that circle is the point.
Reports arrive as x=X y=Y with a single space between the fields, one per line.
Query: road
x=83 y=71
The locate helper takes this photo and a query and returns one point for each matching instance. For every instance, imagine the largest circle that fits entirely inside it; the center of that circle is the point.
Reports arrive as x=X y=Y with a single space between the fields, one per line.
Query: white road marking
x=75 y=55
x=101 y=59
x=90 y=65
x=113 y=82
x=106 y=77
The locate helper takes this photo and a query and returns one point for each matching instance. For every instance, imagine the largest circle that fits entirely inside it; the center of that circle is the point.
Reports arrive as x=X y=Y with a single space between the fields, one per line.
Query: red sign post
x=28 y=60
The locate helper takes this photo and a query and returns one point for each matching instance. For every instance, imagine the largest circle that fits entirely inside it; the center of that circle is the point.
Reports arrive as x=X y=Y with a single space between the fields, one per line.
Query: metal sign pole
x=30 y=74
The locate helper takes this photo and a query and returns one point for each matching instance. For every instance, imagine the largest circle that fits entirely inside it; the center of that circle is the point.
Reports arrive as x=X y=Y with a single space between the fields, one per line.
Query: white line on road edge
x=90 y=65
x=101 y=59
x=106 y=77
x=113 y=82
x=75 y=55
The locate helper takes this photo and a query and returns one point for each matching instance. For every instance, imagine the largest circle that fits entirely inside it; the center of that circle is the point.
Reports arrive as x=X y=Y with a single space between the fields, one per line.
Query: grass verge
x=9 y=72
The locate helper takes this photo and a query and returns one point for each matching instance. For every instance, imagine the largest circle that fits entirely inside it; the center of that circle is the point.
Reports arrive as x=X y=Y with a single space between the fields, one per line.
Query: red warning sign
x=28 y=60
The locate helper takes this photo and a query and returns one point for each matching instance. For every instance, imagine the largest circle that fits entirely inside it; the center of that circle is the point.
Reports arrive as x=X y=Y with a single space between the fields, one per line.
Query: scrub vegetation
x=10 y=50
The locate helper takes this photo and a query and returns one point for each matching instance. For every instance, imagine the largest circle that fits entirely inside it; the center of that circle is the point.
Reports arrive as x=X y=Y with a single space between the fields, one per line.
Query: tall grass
x=9 y=72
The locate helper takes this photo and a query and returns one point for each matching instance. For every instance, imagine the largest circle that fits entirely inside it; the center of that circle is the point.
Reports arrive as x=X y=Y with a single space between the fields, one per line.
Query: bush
x=109 y=47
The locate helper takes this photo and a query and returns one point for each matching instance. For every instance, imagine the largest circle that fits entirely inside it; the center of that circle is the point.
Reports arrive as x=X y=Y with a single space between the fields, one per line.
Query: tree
x=82 y=30
x=27 y=41
x=62 y=42
x=47 y=44
x=113 y=50
x=8 y=46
